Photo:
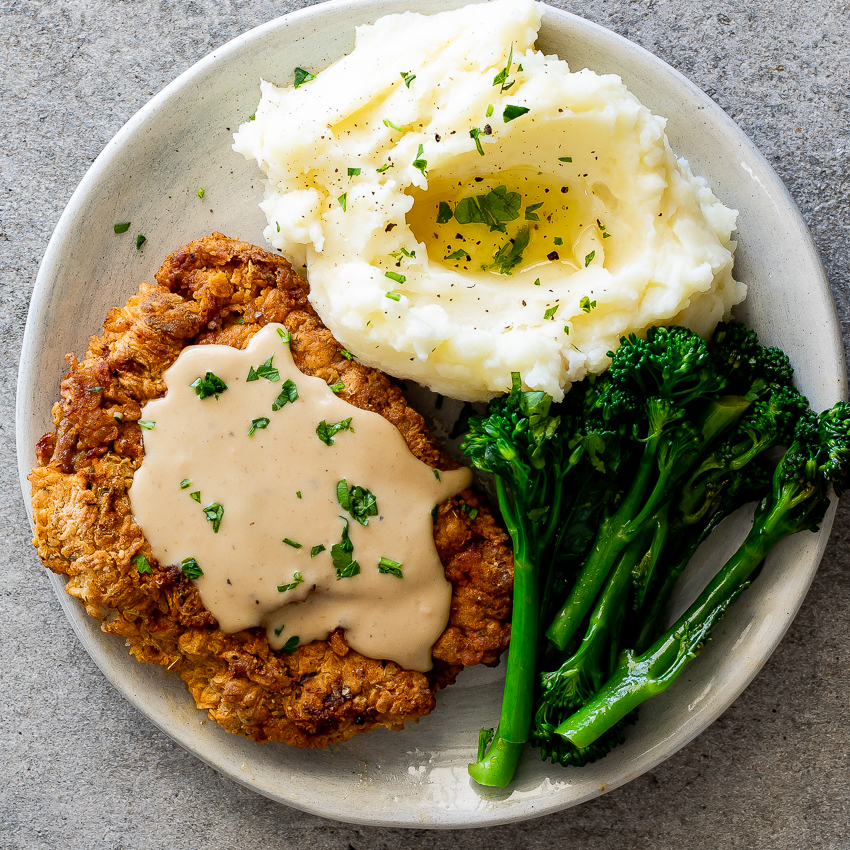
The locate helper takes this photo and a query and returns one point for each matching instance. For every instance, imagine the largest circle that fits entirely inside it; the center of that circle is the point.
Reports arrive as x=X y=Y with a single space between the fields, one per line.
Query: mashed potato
x=467 y=207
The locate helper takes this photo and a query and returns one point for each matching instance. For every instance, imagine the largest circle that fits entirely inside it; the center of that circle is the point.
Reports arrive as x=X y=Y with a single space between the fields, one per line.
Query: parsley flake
x=419 y=162
x=456 y=255
x=196 y=495
x=436 y=473
x=288 y=393
x=297 y=579
x=148 y=425
x=317 y=549
x=501 y=78
x=279 y=632
x=358 y=501
x=186 y=482
x=291 y=645
x=489 y=111
x=140 y=240
x=343 y=200
x=326 y=431
x=338 y=387
x=473 y=512
x=190 y=568
x=407 y=77
x=142 y=564
x=201 y=193
x=509 y=256
x=353 y=172
x=530 y=214
x=558 y=241
x=388 y=123
x=121 y=226
x=586 y=304
x=214 y=514
x=512 y=111
x=293 y=544
x=384 y=167
x=346 y=354
x=285 y=336
x=589 y=258
x=209 y=385
x=302 y=76
x=259 y=424
x=398 y=278
x=344 y=564
x=475 y=133
x=393 y=296
x=444 y=213
x=390 y=567
x=267 y=371
x=550 y=313
x=493 y=208
x=565 y=159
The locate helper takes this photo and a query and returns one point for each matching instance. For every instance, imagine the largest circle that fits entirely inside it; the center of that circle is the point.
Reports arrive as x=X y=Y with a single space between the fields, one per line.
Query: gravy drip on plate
x=262 y=514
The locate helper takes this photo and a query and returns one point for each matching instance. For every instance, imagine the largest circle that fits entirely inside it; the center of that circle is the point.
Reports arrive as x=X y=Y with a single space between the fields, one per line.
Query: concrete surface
x=79 y=768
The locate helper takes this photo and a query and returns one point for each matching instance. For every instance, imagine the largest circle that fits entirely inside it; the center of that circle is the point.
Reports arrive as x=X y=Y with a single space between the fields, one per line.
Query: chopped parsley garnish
x=565 y=159
x=420 y=163
x=512 y=111
x=501 y=78
x=214 y=514
x=186 y=482
x=293 y=544
x=509 y=256
x=302 y=76
x=285 y=336
x=317 y=549
x=475 y=133
x=279 y=632
x=142 y=564
x=196 y=495
x=389 y=123
x=489 y=111
x=384 y=167
x=558 y=241
x=346 y=354
x=338 y=387
x=550 y=313
x=586 y=304
x=144 y=423
x=209 y=385
x=259 y=424
x=388 y=565
x=530 y=214
x=140 y=240
x=444 y=213
x=407 y=77
x=344 y=564
x=567 y=330
x=190 y=568
x=291 y=644
x=201 y=193
x=353 y=172
x=326 y=431
x=288 y=393
x=537 y=282
x=267 y=371
x=494 y=208
x=121 y=226
x=456 y=255
x=96 y=389
x=358 y=501
x=393 y=296
x=296 y=580
x=589 y=258
x=343 y=200
x=436 y=473
x=298 y=494
x=398 y=278
x=473 y=512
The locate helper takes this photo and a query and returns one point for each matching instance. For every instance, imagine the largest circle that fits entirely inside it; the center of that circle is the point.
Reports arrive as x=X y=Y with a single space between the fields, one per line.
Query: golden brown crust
x=218 y=290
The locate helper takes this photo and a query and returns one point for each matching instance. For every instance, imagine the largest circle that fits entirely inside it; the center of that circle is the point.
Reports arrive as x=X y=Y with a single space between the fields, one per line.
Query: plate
x=149 y=174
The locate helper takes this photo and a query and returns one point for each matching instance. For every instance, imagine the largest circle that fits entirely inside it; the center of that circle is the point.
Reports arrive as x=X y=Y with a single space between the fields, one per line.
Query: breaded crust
x=219 y=290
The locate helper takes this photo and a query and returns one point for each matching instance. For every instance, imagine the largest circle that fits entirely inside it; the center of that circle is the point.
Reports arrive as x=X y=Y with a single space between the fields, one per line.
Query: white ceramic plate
x=149 y=174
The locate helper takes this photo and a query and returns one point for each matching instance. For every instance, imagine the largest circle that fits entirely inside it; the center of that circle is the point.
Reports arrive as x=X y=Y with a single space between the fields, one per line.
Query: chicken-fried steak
x=218 y=290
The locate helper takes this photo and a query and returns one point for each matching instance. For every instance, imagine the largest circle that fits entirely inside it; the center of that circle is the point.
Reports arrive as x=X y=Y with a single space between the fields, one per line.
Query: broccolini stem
x=497 y=767
x=639 y=677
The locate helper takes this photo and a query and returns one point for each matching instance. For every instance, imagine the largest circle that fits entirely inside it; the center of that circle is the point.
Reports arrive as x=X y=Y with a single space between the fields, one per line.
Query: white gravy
x=281 y=484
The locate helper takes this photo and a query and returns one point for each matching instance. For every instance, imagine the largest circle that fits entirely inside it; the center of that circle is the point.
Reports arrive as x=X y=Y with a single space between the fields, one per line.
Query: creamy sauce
x=274 y=498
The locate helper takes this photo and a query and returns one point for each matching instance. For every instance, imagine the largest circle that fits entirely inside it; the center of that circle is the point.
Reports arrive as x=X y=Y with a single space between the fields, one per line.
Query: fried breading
x=222 y=291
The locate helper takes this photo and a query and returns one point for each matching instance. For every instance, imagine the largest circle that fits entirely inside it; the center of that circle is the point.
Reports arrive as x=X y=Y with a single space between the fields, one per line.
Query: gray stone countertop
x=80 y=768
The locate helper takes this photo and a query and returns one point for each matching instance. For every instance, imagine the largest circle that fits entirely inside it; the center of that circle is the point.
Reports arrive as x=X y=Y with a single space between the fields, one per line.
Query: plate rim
x=39 y=303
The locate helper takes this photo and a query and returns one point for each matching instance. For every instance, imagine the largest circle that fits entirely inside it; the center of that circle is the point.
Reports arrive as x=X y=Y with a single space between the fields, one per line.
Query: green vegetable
x=261 y=423
x=475 y=134
x=209 y=385
x=388 y=565
x=142 y=564
x=201 y=193
x=292 y=543
x=444 y=213
x=214 y=514
x=317 y=549
x=530 y=214
x=297 y=579
x=196 y=496
x=343 y=200
x=509 y=256
x=326 y=431
x=301 y=77
x=393 y=296
x=291 y=644
x=344 y=564
x=121 y=227
x=267 y=371
x=353 y=172
x=419 y=162
x=147 y=424
x=358 y=501
x=186 y=482
x=140 y=240
x=288 y=394
x=190 y=568
x=398 y=278
x=511 y=112
x=494 y=208
x=407 y=77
